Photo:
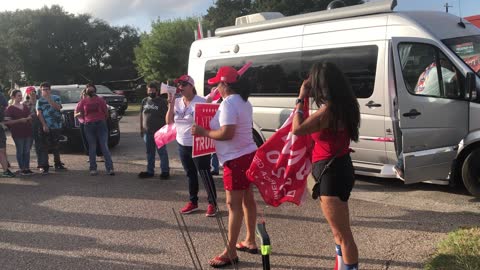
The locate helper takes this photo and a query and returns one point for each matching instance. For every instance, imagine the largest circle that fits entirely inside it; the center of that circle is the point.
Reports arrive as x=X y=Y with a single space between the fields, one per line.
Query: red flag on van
x=199 y=29
x=281 y=165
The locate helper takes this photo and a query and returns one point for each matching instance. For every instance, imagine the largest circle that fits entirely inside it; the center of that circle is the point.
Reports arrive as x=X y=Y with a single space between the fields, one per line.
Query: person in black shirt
x=3 y=140
x=152 y=118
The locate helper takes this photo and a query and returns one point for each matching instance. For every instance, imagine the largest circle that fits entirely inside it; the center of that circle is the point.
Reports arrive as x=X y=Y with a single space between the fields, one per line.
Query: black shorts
x=338 y=180
x=3 y=138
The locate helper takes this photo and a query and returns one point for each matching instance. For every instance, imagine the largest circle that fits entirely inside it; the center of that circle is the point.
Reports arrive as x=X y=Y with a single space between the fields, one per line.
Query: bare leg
x=337 y=214
x=235 y=216
x=3 y=159
x=250 y=217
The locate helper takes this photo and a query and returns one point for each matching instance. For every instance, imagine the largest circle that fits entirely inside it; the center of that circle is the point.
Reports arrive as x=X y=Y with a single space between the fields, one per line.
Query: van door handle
x=371 y=104
x=412 y=113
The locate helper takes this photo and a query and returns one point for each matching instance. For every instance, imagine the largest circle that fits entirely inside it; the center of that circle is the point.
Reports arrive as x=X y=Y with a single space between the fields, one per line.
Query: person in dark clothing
x=31 y=101
x=152 y=118
x=3 y=140
x=48 y=112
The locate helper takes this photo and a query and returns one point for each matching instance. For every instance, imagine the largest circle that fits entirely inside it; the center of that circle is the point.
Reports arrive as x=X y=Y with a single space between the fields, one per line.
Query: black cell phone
x=316 y=191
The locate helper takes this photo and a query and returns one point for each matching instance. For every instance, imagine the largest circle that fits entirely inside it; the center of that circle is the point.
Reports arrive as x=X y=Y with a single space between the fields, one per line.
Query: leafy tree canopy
x=163 y=54
x=50 y=44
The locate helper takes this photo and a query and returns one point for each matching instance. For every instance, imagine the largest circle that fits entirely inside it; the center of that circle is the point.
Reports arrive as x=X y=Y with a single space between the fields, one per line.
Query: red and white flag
x=199 y=29
x=281 y=165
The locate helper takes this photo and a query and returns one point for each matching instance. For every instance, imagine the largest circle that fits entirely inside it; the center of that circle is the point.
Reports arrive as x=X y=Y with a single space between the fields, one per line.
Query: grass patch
x=133 y=109
x=460 y=250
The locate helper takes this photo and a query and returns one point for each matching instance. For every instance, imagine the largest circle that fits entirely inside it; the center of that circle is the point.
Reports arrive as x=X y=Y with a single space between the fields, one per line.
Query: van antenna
x=461 y=23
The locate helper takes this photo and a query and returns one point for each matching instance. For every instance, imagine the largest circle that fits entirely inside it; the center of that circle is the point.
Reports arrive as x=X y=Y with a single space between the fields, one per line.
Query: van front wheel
x=471 y=173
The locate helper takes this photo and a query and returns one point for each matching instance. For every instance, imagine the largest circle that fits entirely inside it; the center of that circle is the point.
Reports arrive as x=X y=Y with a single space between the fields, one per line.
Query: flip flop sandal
x=219 y=262
x=242 y=247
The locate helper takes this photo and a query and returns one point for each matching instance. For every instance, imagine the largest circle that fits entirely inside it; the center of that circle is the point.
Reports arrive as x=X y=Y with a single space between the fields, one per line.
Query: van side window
x=269 y=75
x=358 y=63
x=428 y=72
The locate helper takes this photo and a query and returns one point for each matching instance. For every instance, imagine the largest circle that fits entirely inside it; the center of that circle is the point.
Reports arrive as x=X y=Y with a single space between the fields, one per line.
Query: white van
x=430 y=116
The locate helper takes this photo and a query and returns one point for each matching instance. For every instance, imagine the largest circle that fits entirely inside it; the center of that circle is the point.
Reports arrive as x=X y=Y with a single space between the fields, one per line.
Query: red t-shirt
x=19 y=130
x=93 y=109
x=328 y=144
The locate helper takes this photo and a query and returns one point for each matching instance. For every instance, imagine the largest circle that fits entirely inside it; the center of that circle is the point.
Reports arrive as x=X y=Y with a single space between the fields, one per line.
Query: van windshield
x=468 y=49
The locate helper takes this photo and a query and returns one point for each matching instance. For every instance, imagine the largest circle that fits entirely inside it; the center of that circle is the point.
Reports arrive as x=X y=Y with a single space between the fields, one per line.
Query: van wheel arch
x=456 y=173
x=469 y=169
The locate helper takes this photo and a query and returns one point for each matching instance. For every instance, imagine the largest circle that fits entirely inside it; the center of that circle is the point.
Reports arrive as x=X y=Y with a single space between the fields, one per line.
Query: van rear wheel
x=471 y=173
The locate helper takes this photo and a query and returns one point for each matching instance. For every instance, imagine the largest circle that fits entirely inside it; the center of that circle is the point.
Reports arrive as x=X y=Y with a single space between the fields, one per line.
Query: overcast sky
x=140 y=13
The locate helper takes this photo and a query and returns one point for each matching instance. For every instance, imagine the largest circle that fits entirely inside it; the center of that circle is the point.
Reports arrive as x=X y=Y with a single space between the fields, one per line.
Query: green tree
x=10 y=62
x=224 y=12
x=163 y=53
x=51 y=44
x=120 y=63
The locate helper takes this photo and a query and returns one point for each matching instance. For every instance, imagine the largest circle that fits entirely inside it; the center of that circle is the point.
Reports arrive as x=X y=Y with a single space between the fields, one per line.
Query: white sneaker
x=93 y=172
x=110 y=172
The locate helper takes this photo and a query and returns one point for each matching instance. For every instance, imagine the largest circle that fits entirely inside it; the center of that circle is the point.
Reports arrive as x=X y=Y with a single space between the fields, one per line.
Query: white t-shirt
x=234 y=111
x=183 y=117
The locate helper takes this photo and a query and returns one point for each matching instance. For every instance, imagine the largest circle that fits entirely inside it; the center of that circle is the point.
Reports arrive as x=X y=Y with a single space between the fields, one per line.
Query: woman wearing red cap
x=180 y=111
x=232 y=134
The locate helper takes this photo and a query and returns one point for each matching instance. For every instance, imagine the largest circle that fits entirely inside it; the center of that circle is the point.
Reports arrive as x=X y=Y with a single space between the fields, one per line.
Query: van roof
x=369 y=8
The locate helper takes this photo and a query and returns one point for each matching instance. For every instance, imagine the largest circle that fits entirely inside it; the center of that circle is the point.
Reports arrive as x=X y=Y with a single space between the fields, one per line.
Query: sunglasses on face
x=183 y=84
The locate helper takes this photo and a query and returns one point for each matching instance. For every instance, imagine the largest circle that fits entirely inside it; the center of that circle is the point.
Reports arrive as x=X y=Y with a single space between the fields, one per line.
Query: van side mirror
x=471 y=86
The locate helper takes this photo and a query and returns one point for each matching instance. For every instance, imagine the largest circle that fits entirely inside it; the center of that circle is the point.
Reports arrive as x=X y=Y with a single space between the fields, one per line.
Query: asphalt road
x=70 y=220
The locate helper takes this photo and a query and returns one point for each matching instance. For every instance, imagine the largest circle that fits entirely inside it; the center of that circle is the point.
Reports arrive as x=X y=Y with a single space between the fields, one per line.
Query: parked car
x=130 y=89
x=70 y=96
x=118 y=101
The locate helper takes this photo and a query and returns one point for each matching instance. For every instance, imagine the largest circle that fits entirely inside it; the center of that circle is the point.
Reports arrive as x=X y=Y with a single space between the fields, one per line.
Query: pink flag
x=244 y=68
x=165 y=135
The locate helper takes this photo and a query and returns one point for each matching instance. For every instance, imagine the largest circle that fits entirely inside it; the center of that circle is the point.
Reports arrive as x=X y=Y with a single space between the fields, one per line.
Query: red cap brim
x=213 y=81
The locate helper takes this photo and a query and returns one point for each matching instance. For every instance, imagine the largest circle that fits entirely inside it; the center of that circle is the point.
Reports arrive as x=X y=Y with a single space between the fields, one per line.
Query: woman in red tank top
x=332 y=127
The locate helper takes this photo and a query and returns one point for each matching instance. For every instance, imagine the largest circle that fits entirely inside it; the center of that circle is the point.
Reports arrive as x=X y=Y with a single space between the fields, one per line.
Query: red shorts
x=235 y=172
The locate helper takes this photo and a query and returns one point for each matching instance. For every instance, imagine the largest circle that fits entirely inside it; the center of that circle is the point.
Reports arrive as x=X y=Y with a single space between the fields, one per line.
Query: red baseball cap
x=185 y=78
x=225 y=74
x=29 y=90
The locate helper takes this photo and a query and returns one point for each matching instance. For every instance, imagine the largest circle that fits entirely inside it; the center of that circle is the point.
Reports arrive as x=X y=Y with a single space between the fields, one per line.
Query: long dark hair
x=329 y=85
x=240 y=87
x=93 y=86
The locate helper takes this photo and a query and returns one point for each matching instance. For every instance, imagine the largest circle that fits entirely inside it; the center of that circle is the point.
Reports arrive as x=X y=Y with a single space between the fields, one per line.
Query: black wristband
x=299 y=100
